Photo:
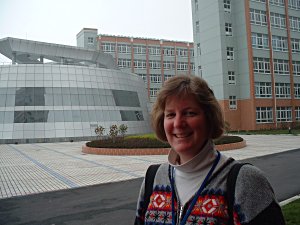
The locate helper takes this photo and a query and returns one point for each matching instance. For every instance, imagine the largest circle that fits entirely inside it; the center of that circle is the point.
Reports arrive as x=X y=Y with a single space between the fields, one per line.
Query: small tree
x=99 y=130
x=113 y=132
x=123 y=129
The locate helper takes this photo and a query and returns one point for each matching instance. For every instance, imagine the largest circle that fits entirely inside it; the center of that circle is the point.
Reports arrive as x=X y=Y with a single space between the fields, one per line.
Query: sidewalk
x=34 y=168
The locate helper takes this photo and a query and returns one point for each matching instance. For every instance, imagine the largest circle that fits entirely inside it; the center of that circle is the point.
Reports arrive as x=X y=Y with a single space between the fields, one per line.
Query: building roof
x=31 y=52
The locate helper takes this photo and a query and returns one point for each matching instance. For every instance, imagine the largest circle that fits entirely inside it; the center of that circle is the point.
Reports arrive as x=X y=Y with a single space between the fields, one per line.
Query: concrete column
x=14 y=58
x=42 y=59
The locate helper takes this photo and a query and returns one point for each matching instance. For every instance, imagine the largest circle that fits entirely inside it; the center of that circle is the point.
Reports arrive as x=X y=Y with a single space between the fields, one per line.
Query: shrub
x=113 y=132
x=148 y=142
x=227 y=140
x=123 y=129
x=99 y=130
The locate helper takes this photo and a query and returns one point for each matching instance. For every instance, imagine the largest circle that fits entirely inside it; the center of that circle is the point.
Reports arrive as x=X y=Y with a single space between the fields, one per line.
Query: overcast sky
x=58 y=21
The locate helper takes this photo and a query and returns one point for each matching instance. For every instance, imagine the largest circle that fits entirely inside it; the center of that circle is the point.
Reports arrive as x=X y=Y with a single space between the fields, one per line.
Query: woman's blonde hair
x=183 y=86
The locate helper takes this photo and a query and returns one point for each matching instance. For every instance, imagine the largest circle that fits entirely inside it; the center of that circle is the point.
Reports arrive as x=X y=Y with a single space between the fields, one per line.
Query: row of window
x=40 y=96
x=259 y=17
x=155 y=78
x=282 y=90
x=279 y=43
x=293 y=4
x=110 y=47
x=283 y=114
x=155 y=64
x=281 y=66
x=55 y=116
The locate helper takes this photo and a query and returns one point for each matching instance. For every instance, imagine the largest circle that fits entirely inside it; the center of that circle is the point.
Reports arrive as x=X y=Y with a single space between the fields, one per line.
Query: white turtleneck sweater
x=190 y=175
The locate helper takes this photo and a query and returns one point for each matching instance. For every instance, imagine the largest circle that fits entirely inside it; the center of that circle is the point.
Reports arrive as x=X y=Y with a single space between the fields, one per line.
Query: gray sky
x=58 y=21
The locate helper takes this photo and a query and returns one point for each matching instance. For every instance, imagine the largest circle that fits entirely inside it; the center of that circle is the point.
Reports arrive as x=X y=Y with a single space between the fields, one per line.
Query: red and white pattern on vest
x=209 y=210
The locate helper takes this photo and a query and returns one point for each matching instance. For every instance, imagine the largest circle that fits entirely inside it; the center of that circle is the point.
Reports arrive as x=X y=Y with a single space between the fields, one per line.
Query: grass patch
x=148 y=141
x=269 y=132
x=291 y=213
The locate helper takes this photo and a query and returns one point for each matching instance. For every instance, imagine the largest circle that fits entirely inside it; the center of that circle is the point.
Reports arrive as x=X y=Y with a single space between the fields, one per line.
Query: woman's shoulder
x=251 y=175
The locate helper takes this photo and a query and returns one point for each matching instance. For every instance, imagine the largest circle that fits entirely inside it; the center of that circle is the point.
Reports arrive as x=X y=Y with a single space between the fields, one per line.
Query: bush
x=227 y=140
x=128 y=143
x=148 y=142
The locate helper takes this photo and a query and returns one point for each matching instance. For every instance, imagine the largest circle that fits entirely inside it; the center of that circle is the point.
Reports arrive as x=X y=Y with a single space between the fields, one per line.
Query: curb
x=289 y=200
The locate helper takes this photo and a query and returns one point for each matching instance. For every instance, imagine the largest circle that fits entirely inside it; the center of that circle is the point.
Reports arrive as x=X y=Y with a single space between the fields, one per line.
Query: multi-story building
x=153 y=59
x=249 y=51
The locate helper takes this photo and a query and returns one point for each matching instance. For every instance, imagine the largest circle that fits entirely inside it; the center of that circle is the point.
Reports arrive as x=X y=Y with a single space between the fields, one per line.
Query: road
x=115 y=203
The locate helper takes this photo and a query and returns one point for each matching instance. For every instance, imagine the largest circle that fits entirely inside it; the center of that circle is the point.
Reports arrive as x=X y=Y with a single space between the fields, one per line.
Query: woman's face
x=185 y=126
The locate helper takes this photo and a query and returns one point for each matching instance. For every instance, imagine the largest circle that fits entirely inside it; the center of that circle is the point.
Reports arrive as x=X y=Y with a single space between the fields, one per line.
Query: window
x=127 y=115
x=296 y=68
x=153 y=92
x=168 y=65
x=294 y=4
x=294 y=23
x=264 y=115
x=230 y=53
x=295 y=45
x=108 y=47
x=260 y=41
x=168 y=76
x=192 y=52
x=281 y=67
x=154 y=64
x=124 y=48
x=182 y=52
x=192 y=67
x=140 y=64
x=277 y=2
x=197 y=27
x=196 y=5
x=90 y=40
x=126 y=98
x=263 y=90
x=124 y=63
x=139 y=49
x=228 y=29
x=258 y=17
x=279 y=43
x=231 y=77
x=261 y=65
x=263 y=1
x=154 y=50
x=198 y=49
x=297 y=112
x=283 y=90
x=232 y=102
x=169 y=51
x=182 y=66
x=297 y=90
x=227 y=6
x=278 y=20
x=200 y=70
x=155 y=78
x=284 y=114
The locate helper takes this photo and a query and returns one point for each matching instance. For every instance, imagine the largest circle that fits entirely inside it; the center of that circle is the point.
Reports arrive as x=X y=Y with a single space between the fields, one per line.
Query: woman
x=191 y=187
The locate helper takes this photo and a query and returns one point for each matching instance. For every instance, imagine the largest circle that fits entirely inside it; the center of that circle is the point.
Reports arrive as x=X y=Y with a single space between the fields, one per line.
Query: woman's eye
x=169 y=115
x=190 y=113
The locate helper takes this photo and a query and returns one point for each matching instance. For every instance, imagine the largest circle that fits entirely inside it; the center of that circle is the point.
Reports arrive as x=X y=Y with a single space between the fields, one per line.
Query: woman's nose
x=179 y=121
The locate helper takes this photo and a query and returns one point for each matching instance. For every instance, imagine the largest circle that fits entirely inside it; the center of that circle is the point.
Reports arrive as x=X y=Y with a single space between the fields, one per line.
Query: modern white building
x=54 y=92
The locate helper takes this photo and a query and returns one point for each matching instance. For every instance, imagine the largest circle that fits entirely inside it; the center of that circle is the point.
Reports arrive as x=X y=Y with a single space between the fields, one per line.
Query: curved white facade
x=50 y=102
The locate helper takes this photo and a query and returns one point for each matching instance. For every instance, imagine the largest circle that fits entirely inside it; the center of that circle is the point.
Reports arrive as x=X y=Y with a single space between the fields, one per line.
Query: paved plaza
x=35 y=168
